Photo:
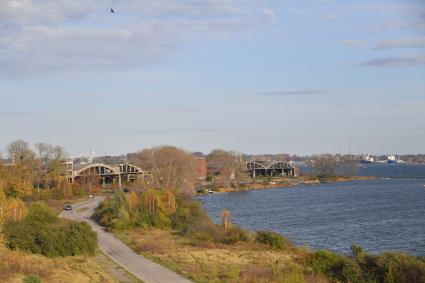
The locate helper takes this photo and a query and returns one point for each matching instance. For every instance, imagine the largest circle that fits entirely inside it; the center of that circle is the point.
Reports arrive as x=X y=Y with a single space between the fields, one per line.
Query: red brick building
x=201 y=168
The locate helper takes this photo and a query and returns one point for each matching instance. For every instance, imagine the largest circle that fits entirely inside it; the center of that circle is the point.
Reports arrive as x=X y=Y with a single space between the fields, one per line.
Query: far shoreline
x=289 y=183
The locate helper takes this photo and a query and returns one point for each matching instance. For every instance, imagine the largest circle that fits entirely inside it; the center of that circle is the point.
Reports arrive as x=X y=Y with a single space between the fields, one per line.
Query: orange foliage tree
x=169 y=202
x=133 y=200
x=225 y=218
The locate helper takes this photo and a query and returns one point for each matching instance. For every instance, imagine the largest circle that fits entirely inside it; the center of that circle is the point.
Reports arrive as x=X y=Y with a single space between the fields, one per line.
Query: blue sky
x=254 y=76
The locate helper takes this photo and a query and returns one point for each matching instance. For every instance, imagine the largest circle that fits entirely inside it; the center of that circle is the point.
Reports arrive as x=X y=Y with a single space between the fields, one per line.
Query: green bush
x=187 y=216
x=31 y=279
x=388 y=267
x=235 y=234
x=395 y=267
x=40 y=213
x=42 y=232
x=271 y=239
x=357 y=251
x=346 y=270
x=323 y=261
x=160 y=220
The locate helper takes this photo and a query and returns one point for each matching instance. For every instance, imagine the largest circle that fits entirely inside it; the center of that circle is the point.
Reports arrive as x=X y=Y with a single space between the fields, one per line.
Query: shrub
x=323 y=261
x=357 y=251
x=347 y=270
x=235 y=234
x=188 y=216
x=31 y=279
x=161 y=220
x=39 y=213
x=399 y=267
x=388 y=267
x=271 y=239
x=41 y=232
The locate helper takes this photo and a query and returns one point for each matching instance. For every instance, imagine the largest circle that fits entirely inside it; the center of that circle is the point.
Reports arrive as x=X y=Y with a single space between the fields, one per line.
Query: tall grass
x=15 y=266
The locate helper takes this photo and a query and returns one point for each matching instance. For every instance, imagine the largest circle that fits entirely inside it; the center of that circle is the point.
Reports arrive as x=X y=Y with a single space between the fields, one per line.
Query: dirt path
x=141 y=267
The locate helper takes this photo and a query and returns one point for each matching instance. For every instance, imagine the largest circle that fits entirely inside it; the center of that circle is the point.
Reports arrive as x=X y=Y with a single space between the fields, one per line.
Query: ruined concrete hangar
x=271 y=169
x=106 y=173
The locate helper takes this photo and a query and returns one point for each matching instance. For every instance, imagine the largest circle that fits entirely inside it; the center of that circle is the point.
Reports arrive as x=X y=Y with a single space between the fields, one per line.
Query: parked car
x=67 y=207
x=91 y=196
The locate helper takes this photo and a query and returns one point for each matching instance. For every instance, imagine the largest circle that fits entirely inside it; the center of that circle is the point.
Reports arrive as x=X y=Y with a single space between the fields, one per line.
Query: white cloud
x=401 y=61
x=38 y=36
x=417 y=42
x=328 y=18
x=353 y=42
x=270 y=15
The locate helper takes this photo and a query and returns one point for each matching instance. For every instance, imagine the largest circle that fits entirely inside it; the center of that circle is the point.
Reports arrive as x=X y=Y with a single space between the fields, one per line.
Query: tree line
x=32 y=170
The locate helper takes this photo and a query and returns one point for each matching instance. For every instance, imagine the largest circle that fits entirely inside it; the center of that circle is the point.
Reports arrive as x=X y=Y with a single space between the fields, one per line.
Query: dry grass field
x=16 y=266
x=208 y=262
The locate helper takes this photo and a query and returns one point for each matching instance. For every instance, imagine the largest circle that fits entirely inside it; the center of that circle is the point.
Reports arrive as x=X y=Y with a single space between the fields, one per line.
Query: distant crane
x=90 y=160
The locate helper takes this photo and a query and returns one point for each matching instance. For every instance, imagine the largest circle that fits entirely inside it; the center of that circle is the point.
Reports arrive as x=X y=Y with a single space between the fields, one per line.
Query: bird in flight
x=112 y=11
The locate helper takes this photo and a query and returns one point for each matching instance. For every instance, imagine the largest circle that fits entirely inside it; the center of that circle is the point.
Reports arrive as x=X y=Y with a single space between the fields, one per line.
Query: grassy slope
x=15 y=265
x=207 y=262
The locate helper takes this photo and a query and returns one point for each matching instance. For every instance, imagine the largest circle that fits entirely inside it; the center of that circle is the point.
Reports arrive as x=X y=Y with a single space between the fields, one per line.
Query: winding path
x=141 y=267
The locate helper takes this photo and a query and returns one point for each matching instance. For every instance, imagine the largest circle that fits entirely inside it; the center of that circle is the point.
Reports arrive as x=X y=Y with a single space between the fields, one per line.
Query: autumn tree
x=20 y=152
x=16 y=209
x=11 y=208
x=149 y=199
x=227 y=164
x=55 y=166
x=171 y=168
x=133 y=201
x=3 y=203
x=17 y=180
x=329 y=166
x=44 y=153
x=90 y=181
x=168 y=201
x=225 y=217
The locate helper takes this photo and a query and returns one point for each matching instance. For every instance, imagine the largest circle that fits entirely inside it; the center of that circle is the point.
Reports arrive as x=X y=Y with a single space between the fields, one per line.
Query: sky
x=254 y=76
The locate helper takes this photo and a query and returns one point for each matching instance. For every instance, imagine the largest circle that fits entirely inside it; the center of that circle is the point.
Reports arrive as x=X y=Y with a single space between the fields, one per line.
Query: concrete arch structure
x=252 y=165
x=129 y=168
x=97 y=169
x=271 y=168
x=108 y=173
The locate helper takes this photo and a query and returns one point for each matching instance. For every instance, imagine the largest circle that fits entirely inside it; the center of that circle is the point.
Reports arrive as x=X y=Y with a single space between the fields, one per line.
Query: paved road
x=141 y=267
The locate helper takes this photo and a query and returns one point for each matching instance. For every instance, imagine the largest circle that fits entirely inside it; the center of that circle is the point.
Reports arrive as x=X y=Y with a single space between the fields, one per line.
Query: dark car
x=126 y=190
x=67 y=207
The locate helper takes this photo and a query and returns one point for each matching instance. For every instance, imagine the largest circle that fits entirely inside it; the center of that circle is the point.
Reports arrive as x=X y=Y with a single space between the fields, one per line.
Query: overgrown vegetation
x=162 y=209
x=40 y=174
x=206 y=261
x=389 y=267
x=184 y=226
x=271 y=239
x=17 y=266
x=326 y=167
x=42 y=232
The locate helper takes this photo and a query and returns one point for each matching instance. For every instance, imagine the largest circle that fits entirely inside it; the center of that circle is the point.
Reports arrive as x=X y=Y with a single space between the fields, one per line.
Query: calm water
x=379 y=215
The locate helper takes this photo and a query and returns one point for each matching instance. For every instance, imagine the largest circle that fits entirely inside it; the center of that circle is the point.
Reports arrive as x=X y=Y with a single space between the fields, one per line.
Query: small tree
x=3 y=202
x=149 y=201
x=15 y=209
x=225 y=219
x=169 y=202
x=133 y=200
